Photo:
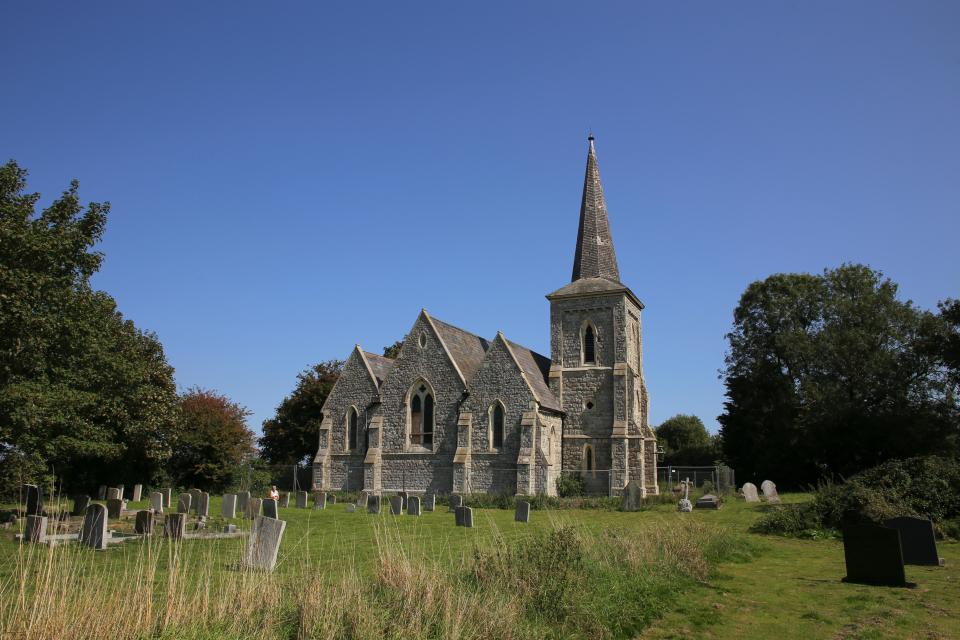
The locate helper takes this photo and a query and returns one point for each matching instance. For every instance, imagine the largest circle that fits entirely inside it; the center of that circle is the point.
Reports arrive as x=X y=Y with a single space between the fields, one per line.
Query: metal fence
x=720 y=478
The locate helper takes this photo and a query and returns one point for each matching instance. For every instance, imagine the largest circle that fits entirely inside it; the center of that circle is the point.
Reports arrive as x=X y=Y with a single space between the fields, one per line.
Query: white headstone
x=264 y=543
x=750 y=492
x=156 y=501
x=770 y=491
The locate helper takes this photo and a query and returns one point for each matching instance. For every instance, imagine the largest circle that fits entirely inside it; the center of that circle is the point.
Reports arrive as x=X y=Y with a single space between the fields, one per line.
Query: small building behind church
x=458 y=413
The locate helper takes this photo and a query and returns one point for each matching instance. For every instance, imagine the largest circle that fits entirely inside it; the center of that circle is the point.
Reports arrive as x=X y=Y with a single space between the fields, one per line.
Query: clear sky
x=289 y=179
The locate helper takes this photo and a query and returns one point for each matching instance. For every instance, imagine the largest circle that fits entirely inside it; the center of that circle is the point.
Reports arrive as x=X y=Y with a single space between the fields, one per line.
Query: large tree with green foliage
x=831 y=374
x=686 y=441
x=292 y=435
x=84 y=394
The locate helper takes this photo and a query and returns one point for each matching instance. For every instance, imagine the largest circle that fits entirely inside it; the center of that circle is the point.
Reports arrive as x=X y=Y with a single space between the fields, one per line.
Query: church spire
x=595 y=256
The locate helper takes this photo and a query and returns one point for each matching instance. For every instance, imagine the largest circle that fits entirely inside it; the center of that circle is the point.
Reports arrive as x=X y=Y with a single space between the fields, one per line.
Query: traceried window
x=589 y=346
x=421 y=416
x=496 y=425
x=352 y=427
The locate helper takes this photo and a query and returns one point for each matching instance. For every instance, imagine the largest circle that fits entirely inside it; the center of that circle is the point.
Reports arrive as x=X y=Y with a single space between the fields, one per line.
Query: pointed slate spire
x=595 y=256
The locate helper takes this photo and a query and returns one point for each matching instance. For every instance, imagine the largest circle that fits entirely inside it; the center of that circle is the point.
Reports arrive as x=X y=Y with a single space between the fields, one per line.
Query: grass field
x=652 y=574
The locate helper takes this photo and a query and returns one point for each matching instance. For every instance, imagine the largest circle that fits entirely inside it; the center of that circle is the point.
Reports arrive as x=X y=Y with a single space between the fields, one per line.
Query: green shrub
x=569 y=485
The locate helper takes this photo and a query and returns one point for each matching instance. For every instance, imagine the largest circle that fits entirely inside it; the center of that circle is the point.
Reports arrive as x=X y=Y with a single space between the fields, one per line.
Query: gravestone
x=351 y=507
x=264 y=543
x=114 y=508
x=684 y=505
x=270 y=508
x=458 y=516
x=467 y=517
x=167 y=498
x=455 y=501
x=137 y=492
x=93 y=532
x=253 y=507
x=36 y=530
x=203 y=505
x=373 y=504
x=113 y=493
x=80 y=504
x=632 y=496
x=320 y=500
x=243 y=501
x=301 y=499
x=144 y=522
x=34 y=499
x=332 y=498
x=429 y=502
x=413 y=506
x=156 y=502
x=120 y=489
x=102 y=492
x=770 y=491
x=364 y=498
x=284 y=499
x=750 y=492
x=396 y=505
x=708 y=501
x=195 y=499
x=917 y=540
x=183 y=504
x=522 y=514
x=230 y=528
x=873 y=555
x=175 y=525
x=403 y=495
x=228 y=507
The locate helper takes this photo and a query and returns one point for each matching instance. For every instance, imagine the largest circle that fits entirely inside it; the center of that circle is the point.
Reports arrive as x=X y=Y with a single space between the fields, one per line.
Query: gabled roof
x=536 y=371
x=595 y=257
x=466 y=349
x=380 y=366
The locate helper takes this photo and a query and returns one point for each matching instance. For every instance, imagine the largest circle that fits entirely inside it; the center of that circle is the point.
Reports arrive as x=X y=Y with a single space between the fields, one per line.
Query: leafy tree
x=828 y=375
x=213 y=440
x=84 y=394
x=292 y=435
x=685 y=441
x=393 y=351
x=945 y=341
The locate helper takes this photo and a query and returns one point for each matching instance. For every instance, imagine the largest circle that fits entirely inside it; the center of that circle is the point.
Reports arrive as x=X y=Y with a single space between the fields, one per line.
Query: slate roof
x=595 y=255
x=536 y=369
x=466 y=349
x=381 y=366
x=586 y=286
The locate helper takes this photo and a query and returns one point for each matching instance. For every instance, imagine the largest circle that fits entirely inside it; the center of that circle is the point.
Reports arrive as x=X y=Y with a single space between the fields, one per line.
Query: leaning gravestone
x=284 y=499
x=243 y=499
x=522 y=514
x=113 y=493
x=264 y=543
x=144 y=522
x=114 y=508
x=467 y=517
x=396 y=505
x=873 y=555
x=203 y=505
x=34 y=500
x=750 y=492
x=36 y=530
x=270 y=508
x=80 y=504
x=770 y=491
x=301 y=499
x=253 y=507
x=373 y=505
x=320 y=500
x=364 y=498
x=228 y=507
x=455 y=501
x=183 y=504
x=137 y=492
x=429 y=502
x=413 y=506
x=175 y=525
x=708 y=501
x=632 y=496
x=156 y=502
x=93 y=532
x=917 y=540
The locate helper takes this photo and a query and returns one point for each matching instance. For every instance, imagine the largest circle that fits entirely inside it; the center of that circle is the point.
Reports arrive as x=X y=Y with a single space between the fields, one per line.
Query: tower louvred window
x=589 y=346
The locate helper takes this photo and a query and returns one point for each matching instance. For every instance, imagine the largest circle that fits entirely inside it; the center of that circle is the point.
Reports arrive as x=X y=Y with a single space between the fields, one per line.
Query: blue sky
x=288 y=179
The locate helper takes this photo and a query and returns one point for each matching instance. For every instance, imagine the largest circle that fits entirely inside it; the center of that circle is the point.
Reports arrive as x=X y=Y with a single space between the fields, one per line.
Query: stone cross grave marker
x=203 y=505
x=228 y=507
x=413 y=506
x=684 y=505
x=770 y=491
x=156 y=501
x=80 y=504
x=873 y=555
x=917 y=540
x=320 y=500
x=750 y=492
x=522 y=514
x=175 y=525
x=36 y=530
x=455 y=501
x=137 y=492
x=429 y=502
x=270 y=508
x=113 y=493
x=264 y=543
x=34 y=500
x=144 y=522
x=93 y=532
x=114 y=508
x=373 y=504
x=396 y=505
x=632 y=496
x=253 y=507
x=243 y=500
x=301 y=499
x=183 y=504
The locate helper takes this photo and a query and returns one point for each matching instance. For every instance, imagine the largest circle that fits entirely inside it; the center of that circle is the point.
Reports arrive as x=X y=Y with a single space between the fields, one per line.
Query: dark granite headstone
x=455 y=501
x=522 y=513
x=917 y=540
x=80 y=504
x=175 y=525
x=396 y=505
x=458 y=515
x=270 y=508
x=144 y=522
x=34 y=500
x=873 y=555
x=373 y=504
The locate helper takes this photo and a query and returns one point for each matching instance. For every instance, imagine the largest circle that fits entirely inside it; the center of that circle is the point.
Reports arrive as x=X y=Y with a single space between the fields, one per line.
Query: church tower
x=596 y=368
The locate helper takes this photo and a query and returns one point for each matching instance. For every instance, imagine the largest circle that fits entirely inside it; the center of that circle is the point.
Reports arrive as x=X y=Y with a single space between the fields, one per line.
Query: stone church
x=458 y=413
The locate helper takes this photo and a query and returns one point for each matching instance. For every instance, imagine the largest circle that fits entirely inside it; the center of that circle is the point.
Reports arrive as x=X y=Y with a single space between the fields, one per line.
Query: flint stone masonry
x=113 y=493
x=253 y=507
x=750 y=492
x=320 y=500
x=228 y=506
x=264 y=543
x=93 y=532
x=203 y=505
x=80 y=504
x=429 y=502
x=183 y=504
x=917 y=540
x=137 y=492
x=36 y=529
x=770 y=491
x=114 y=508
x=413 y=506
x=243 y=500
x=301 y=499
x=156 y=502
x=396 y=505
x=34 y=500
x=144 y=523
x=522 y=513
x=270 y=508
x=175 y=525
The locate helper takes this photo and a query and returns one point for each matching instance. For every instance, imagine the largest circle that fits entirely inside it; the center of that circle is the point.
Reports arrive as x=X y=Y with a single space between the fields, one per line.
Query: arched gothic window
x=421 y=415
x=352 y=420
x=588 y=461
x=496 y=425
x=589 y=346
